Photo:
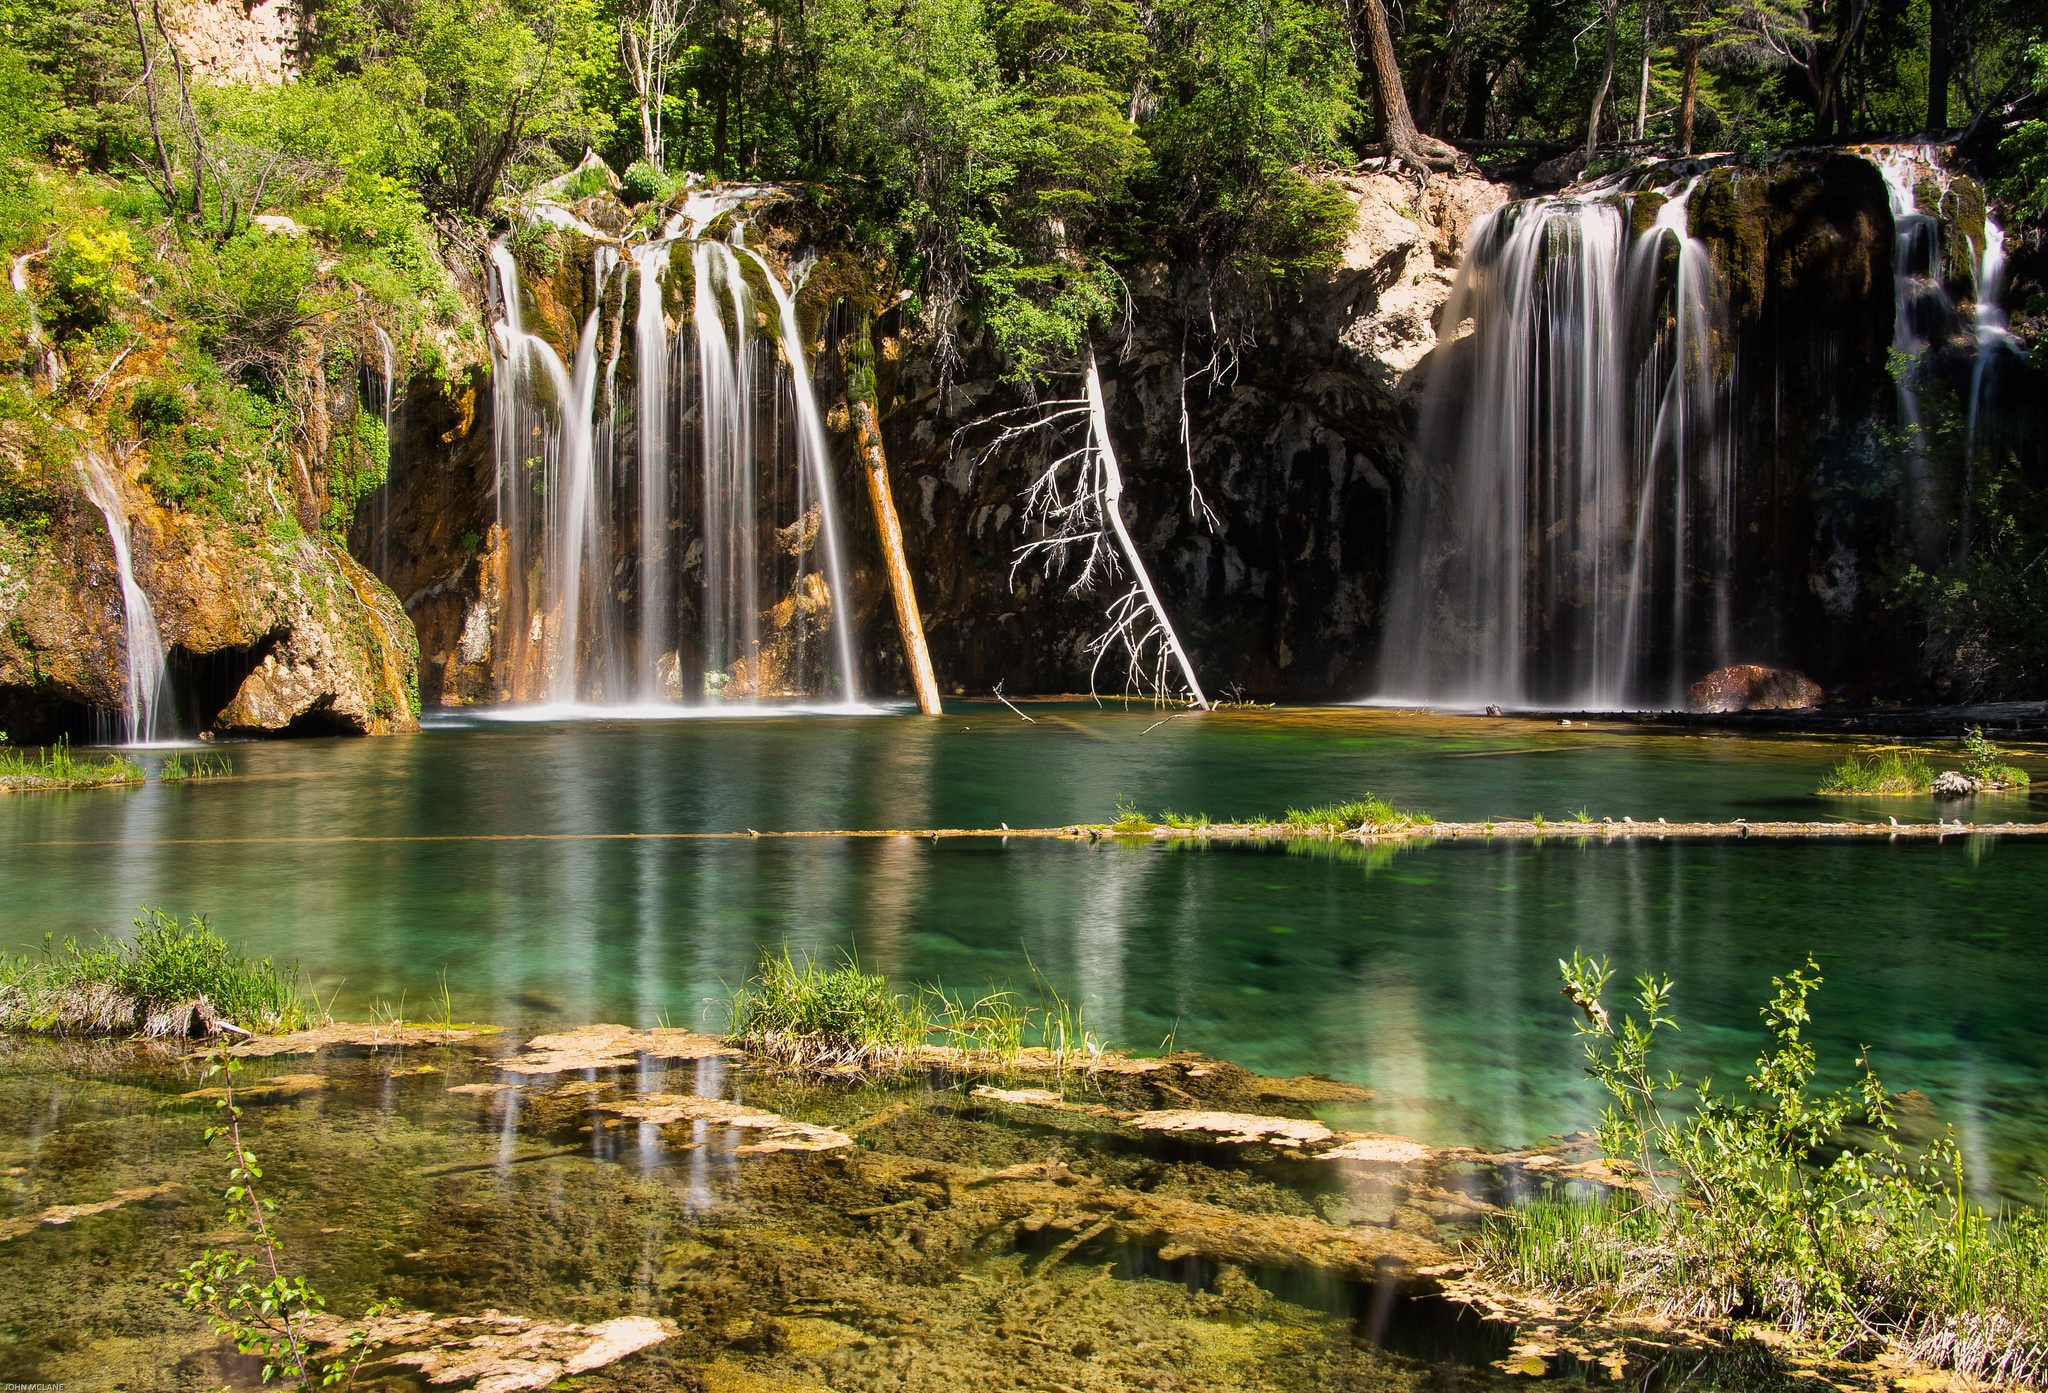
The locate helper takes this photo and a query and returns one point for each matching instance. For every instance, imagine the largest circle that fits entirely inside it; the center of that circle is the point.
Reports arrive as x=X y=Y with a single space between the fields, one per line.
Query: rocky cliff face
x=1266 y=442
x=263 y=637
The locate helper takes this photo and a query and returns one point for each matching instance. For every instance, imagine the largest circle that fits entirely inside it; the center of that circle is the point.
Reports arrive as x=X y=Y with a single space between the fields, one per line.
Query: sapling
x=266 y=1318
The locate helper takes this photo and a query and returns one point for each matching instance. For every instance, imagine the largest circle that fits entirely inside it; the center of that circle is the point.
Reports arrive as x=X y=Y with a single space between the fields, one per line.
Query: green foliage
x=1794 y=1206
x=362 y=463
x=56 y=767
x=1888 y=771
x=170 y=978
x=93 y=271
x=1984 y=762
x=250 y=299
x=2024 y=151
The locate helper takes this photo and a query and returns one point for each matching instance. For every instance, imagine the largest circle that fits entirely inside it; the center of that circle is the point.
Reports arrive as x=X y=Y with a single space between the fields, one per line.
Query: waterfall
x=651 y=363
x=145 y=646
x=1920 y=307
x=626 y=576
x=1568 y=540
x=817 y=467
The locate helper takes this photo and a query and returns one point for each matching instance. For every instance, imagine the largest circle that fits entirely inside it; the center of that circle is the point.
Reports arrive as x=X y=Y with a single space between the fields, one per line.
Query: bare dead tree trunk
x=1405 y=145
x=169 y=191
x=867 y=433
x=186 y=114
x=1606 y=81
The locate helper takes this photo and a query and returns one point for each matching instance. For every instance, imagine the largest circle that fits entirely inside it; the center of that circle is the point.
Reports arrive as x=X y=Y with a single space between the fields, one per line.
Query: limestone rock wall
x=247 y=41
x=264 y=636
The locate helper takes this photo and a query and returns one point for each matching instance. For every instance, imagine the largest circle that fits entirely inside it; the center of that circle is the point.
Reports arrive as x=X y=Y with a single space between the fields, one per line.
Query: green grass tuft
x=804 y=1016
x=55 y=767
x=173 y=979
x=180 y=767
x=1184 y=821
x=1129 y=817
x=1889 y=772
x=1368 y=814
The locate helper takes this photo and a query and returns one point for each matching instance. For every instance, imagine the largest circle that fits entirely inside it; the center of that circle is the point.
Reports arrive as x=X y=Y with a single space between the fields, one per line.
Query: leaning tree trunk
x=1405 y=144
x=867 y=434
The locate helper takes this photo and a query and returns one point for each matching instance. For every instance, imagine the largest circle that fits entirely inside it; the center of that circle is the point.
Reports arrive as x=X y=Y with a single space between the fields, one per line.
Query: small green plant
x=1889 y=772
x=267 y=1318
x=1983 y=761
x=1184 y=821
x=1368 y=814
x=1129 y=817
x=179 y=767
x=1539 y=821
x=173 y=979
x=1583 y=815
x=55 y=767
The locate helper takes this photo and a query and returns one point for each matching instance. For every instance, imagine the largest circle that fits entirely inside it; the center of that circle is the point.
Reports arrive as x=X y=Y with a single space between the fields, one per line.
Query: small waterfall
x=1920 y=311
x=817 y=467
x=627 y=576
x=1569 y=541
x=1995 y=344
x=145 y=646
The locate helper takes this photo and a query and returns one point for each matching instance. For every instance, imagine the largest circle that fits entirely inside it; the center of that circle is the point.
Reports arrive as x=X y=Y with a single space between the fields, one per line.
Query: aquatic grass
x=1793 y=1207
x=802 y=1015
x=1888 y=772
x=1129 y=817
x=178 y=767
x=1186 y=822
x=173 y=979
x=56 y=767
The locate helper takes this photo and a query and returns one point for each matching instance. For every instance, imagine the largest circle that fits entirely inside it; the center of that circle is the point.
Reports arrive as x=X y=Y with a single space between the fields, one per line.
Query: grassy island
x=55 y=767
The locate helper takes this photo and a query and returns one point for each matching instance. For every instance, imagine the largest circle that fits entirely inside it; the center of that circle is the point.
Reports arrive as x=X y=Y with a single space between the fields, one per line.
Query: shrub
x=1982 y=761
x=1794 y=1207
x=94 y=273
x=172 y=980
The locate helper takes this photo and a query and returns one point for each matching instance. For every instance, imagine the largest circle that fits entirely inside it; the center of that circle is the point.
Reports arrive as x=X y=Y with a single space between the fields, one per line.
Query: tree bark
x=1688 y=93
x=859 y=364
x=1405 y=145
x=1606 y=83
x=1643 y=88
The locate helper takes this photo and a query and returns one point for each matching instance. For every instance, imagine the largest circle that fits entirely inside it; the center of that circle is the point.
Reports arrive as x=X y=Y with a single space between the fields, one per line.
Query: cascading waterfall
x=1924 y=314
x=660 y=537
x=145 y=645
x=1570 y=542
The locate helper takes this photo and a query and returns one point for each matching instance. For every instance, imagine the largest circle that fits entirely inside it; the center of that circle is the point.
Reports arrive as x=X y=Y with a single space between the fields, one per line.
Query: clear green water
x=1428 y=973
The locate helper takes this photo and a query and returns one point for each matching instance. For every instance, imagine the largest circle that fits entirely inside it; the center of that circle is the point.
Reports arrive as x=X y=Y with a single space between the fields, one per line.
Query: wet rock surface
x=1747 y=687
x=264 y=636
